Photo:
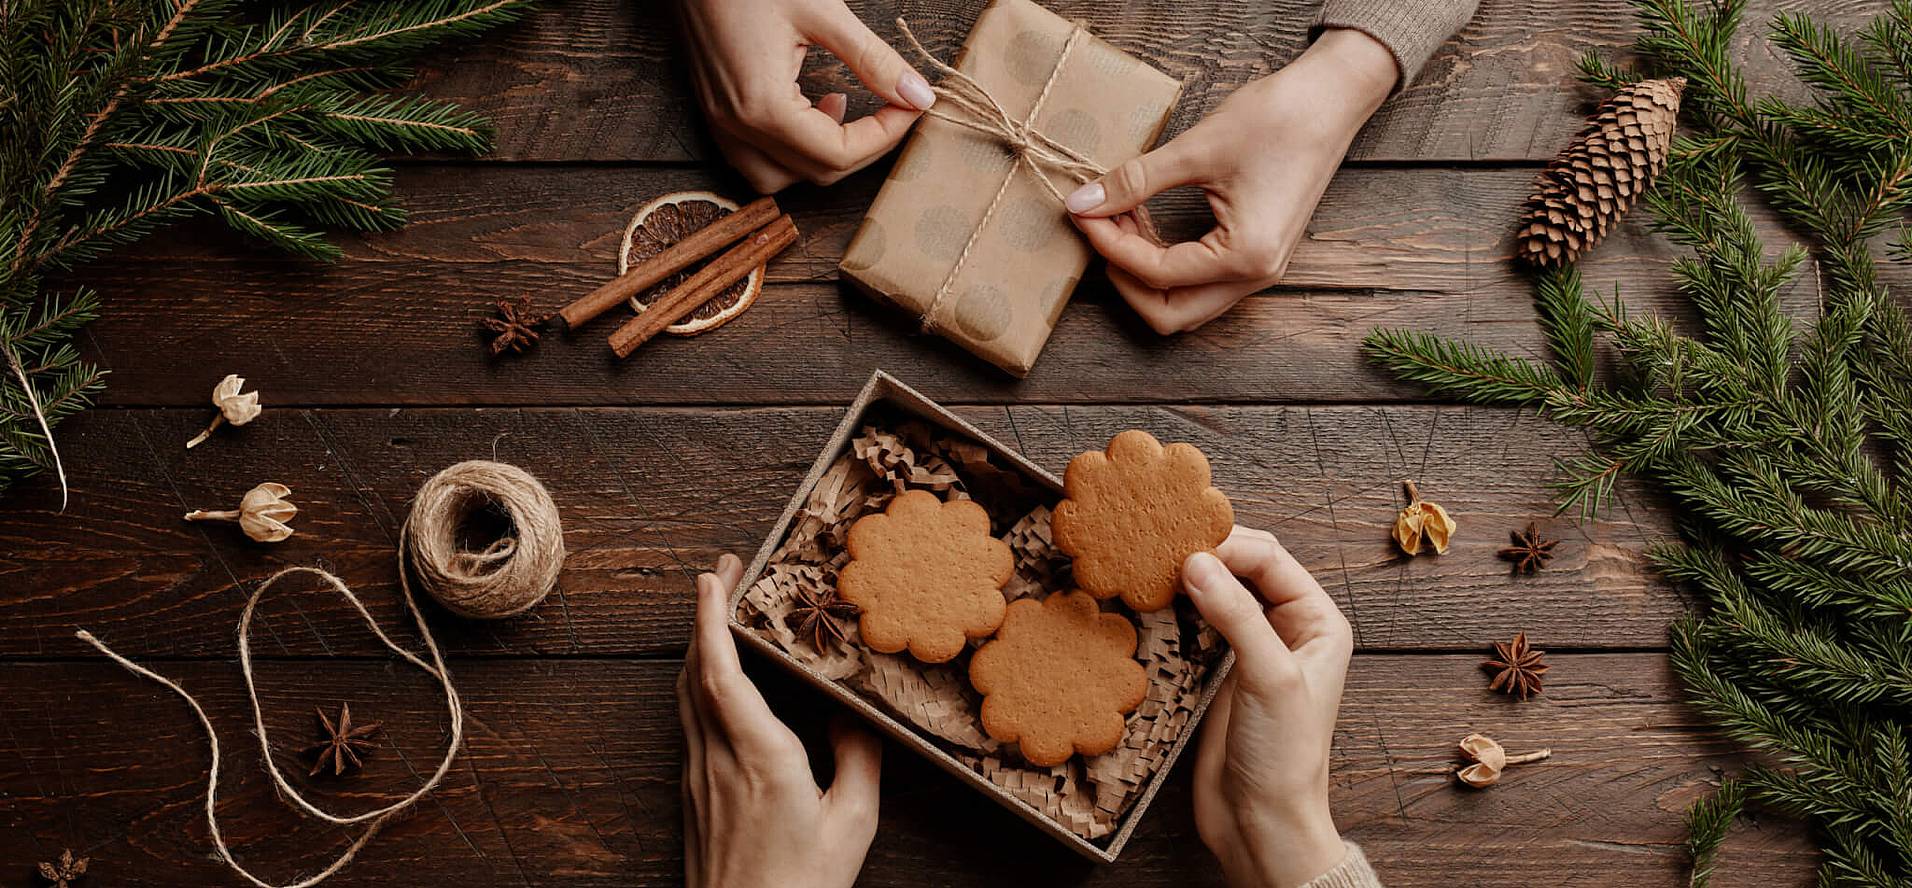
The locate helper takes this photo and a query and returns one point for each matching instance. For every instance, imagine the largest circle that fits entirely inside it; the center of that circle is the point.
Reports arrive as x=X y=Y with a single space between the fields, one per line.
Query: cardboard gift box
x=963 y=236
x=892 y=439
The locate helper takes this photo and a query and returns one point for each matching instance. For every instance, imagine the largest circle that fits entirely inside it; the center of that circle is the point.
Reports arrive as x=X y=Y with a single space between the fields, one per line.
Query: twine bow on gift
x=981 y=112
x=962 y=101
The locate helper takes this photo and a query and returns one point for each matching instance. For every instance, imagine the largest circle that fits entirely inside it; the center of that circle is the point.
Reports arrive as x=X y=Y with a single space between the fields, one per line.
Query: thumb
x=1127 y=186
x=854 y=794
x=1263 y=659
x=875 y=63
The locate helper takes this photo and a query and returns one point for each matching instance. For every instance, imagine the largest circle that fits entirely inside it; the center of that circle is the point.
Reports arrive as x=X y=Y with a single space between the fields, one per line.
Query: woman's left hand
x=754 y=816
x=1264 y=157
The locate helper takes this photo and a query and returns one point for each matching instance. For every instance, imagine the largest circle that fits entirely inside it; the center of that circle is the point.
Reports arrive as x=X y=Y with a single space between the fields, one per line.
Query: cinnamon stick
x=734 y=265
x=675 y=258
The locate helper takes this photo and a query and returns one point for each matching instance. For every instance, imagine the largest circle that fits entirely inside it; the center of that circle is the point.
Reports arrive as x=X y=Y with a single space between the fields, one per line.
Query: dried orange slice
x=667 y=220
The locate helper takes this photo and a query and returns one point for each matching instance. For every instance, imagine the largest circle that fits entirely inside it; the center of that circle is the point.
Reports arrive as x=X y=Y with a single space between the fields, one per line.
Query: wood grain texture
x=605 y=79
x=651 y=496
x=571 y=777
x=373 y=379
x=395 y=323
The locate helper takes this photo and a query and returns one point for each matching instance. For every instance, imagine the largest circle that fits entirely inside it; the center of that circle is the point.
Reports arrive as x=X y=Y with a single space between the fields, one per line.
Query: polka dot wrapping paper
x=962 y=236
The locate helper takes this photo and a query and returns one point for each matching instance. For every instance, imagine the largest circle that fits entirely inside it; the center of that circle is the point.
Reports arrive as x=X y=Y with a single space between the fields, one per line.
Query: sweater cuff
x=1411 y=31
x=1352 y=872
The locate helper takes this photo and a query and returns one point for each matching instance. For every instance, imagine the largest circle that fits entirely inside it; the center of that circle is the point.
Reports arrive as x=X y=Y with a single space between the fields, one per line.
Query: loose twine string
x=976 y=109
x=444 y=501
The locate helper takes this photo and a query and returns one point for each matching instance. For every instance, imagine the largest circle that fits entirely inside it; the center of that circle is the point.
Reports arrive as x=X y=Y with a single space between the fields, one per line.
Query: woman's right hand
x=1261 y=770
x=745 y=57
x=754 y=816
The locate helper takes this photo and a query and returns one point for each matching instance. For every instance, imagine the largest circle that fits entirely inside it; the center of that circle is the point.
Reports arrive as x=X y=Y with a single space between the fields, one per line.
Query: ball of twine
x=512 y=573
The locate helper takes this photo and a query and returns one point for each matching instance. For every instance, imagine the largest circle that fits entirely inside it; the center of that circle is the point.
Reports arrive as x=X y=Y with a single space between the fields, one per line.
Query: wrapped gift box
x=962 y=235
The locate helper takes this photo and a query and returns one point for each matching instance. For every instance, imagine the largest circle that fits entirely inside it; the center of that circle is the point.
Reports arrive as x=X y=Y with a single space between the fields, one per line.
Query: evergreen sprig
x=118 y=117
x=1785 y=447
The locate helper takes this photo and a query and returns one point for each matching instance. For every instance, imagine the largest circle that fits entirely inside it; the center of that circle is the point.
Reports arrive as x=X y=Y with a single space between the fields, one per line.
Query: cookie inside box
x=893 y=451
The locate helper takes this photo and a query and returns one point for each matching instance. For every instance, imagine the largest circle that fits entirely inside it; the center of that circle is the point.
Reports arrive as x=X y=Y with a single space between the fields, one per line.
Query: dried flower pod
x=1482 y=749
x=262 y=514
x=1489 y=760
x=1422 y=521
x=64 y=873
x=234 y=407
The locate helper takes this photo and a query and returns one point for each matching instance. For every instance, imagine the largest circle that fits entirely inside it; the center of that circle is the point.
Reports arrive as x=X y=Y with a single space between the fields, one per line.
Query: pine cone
x=1593 y=183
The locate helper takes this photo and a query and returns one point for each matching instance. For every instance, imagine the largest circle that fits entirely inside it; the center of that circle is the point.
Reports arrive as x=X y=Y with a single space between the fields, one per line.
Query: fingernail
x=728 y=561
x=1203 y=572
x=915 y=90
x=1086 y=198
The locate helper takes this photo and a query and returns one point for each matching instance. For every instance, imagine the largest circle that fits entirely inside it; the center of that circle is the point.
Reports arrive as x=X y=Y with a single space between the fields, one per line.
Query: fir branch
x=1461 y=369
x=1707 y=823
x=1568 y=321
x=118 y=117
x=1788 y=455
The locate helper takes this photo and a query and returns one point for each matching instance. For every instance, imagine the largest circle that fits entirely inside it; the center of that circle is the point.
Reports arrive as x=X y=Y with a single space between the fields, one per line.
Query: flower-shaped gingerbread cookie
x=1058 y=677
x=1133 y=513
x=927 y=575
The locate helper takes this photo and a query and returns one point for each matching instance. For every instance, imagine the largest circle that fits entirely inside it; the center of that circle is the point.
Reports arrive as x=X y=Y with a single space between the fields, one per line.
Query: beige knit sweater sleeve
x=1352 y=872
x=1411 y=29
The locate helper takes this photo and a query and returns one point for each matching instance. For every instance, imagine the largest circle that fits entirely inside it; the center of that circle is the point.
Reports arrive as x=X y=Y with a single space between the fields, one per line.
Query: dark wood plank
x=572 y=775
x=395 y=323
x=603 y=79
x=650 y=496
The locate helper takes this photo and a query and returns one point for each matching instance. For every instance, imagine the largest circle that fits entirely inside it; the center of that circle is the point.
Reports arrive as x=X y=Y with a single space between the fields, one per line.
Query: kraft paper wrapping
x=961 y=216
x=1087 y=796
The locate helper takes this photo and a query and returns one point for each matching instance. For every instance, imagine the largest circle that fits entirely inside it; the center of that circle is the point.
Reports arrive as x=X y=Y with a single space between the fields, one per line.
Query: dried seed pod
x=234 y=407
x=1422 y=521
x=1579 y=196
x=1489 y=760
x=262 y=514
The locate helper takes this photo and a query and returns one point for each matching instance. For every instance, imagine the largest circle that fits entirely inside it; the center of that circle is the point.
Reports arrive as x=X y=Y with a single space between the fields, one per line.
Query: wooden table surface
x=373 y=379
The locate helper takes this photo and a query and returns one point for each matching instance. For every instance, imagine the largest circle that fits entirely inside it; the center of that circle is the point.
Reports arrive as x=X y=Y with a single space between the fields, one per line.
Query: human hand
x=754 y=816
x=1261 y=769
x=745 y=57
x=1264 y=157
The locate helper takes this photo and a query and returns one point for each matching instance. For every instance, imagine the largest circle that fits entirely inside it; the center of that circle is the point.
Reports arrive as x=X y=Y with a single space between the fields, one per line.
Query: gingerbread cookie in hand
x=1058 y=678
x=1133 y=513
x=927 y=575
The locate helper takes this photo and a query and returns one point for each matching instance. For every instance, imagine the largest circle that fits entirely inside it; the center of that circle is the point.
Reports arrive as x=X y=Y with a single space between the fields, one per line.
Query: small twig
x=1525 y=757
x=33 y=398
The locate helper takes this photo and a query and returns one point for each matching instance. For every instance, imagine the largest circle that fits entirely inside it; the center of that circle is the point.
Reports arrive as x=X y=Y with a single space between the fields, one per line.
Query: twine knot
x=962 y=101
x=976 y=109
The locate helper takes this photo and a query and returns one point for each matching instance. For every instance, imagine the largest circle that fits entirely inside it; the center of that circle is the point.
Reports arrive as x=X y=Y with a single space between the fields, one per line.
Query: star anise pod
x=1530 y=551
x=817 y=615
x=342 y=745
x=66 y=872
x=1516 y=667
x=515 y=327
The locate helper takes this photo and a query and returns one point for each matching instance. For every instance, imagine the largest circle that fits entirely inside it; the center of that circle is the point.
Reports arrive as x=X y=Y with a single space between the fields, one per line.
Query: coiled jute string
x=507 y=577
x=460 y=487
